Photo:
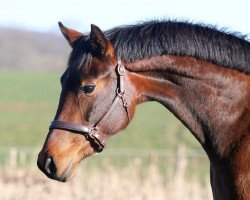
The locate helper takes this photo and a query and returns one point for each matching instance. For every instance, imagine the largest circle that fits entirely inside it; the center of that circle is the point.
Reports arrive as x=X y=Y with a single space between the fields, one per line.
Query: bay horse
x=200 y=73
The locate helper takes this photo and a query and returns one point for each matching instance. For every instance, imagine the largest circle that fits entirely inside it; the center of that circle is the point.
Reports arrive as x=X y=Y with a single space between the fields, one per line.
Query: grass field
x=28 y=103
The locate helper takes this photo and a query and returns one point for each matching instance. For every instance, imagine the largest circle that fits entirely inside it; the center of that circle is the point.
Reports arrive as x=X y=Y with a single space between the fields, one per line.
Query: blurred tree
x=32 y=51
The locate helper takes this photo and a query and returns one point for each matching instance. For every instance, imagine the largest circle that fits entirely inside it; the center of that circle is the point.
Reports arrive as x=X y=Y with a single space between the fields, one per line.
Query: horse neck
x=204 y=96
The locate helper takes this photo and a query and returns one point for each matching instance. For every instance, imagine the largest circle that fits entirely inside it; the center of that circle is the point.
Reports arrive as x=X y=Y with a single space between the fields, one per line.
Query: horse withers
x=199 y=73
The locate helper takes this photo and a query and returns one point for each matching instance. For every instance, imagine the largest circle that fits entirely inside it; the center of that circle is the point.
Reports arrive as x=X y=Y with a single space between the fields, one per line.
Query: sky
x=79 y=14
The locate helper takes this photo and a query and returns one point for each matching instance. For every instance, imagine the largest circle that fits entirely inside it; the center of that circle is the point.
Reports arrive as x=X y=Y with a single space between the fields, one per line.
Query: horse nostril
x=50 y=166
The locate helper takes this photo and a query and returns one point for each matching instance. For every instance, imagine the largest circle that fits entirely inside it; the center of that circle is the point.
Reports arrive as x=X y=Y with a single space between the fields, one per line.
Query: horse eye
x=87 y=89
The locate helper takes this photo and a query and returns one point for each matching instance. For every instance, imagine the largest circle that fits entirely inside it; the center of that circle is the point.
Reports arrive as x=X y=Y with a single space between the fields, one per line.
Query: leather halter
x=91 y=133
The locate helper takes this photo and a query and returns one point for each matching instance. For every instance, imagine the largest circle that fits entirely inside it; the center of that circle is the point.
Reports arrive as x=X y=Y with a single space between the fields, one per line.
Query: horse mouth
x=65 y=176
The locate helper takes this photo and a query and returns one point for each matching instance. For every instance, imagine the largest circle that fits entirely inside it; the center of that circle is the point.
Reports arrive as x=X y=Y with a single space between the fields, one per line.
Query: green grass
x=28 y=103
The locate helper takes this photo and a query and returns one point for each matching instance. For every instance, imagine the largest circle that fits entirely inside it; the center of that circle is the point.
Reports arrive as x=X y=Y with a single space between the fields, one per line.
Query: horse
x=198 y=72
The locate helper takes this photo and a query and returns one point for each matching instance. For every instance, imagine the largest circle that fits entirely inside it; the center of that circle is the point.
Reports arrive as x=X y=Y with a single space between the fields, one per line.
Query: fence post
x=180 y=169
x=13 y=157
x=22 y=158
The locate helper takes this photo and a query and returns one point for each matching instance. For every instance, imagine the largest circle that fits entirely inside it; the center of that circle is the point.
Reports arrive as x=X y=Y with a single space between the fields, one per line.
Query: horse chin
x=68 y=173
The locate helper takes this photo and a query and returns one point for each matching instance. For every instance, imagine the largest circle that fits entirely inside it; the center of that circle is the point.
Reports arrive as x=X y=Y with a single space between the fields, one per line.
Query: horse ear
x=71 y=35
x=99 y=43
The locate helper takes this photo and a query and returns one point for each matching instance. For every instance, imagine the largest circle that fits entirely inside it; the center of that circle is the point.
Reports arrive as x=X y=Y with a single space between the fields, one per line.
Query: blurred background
x=156 y=157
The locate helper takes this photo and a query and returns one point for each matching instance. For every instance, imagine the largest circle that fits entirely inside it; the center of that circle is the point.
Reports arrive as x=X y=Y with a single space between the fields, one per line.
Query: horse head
x=97 y=101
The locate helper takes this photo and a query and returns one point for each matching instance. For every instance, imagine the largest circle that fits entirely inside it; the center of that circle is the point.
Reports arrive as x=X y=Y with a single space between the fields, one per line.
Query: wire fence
x=14 y=156
x=164 y=158
x=180 y=174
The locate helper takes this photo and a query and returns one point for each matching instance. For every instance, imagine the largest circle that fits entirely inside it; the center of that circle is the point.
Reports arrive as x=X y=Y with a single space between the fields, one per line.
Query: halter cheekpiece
x=92 y=133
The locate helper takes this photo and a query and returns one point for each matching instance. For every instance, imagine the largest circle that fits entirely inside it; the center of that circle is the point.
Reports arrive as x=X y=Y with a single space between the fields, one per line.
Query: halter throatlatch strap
x=121 y=90
x=92 y=133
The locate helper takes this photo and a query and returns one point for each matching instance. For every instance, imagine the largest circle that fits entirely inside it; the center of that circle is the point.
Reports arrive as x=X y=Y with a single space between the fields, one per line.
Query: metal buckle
x=93 y=132
x=119 y=92
x=94 y=135
x=121 y=95
x=121 y=69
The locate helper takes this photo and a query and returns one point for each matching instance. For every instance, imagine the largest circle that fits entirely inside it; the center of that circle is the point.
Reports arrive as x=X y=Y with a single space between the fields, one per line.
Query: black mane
x=152 y=38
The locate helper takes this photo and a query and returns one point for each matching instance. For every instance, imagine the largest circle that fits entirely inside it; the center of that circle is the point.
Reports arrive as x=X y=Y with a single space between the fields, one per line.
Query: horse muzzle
x=61 y=154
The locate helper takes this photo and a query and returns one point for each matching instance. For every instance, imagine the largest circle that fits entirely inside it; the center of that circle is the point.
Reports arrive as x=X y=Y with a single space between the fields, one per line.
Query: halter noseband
x=92 y=133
